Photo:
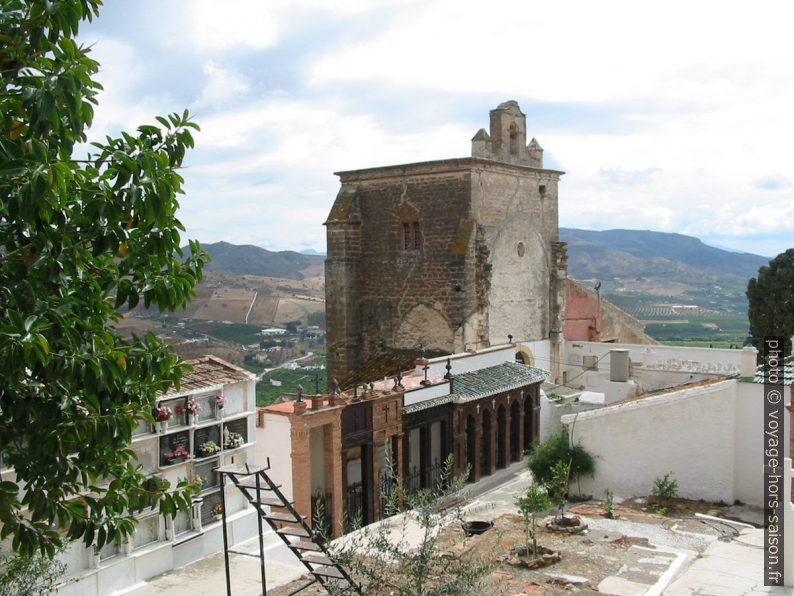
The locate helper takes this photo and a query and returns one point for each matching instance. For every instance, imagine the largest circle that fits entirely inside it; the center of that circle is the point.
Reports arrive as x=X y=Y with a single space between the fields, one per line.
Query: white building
x=160 y=543
x=695 y=412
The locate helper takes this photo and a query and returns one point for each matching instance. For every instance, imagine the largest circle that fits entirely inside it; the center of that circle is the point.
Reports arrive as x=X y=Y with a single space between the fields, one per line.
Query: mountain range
x=620 y=255
x=247 y=259
x=611 y=256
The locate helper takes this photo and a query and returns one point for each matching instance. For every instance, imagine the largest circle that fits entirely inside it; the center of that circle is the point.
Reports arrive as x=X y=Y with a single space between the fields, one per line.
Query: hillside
x=253 y=260
x=620 y=255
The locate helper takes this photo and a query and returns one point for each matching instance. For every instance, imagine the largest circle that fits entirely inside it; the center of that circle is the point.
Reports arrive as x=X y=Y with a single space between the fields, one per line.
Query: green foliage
x=665 y=488
x=557 y=486
x=22 y=575
x=771 y=297
x=609 y=503
x=535 y=500
x=80 y=239
x=387 y=560
x=239 y=333
x=267 y=394
x=316 y=318
x=557 y=448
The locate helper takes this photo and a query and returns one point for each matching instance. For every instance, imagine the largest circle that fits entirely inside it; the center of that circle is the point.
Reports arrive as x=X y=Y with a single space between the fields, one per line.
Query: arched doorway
x=471 y=445
x=501 y=434
x=528 y=430
x=524 y=355
x=485 y=444
x=515 y=429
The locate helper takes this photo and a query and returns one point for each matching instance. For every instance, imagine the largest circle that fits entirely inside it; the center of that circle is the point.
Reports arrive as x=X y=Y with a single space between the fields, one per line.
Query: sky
x=669 y=116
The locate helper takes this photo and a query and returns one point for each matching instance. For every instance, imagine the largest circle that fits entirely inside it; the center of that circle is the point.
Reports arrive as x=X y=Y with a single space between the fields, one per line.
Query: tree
x=403 y=556
x=535 y=500
x=81 y=237
x=557 y=487
x=771 y=301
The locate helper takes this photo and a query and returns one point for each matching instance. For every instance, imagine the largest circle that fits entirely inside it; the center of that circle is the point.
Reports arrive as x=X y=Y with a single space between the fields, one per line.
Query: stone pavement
x=734 y=567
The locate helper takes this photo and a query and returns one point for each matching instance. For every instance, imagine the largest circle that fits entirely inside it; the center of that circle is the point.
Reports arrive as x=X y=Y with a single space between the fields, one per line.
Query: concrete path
x=734 y=567
x=208 y=576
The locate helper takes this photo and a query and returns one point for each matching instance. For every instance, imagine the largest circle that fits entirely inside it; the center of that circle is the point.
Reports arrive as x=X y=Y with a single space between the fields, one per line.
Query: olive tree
x=86 y=231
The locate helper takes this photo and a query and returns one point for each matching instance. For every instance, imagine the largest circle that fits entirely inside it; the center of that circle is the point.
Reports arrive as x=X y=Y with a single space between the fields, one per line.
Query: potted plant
x=162 y=415
x=219 y=401
x=208 y=448
x=217 y=512
x=176 y=455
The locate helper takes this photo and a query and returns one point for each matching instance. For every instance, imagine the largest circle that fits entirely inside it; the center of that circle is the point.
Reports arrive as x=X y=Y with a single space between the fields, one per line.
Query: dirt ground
x=589 y=558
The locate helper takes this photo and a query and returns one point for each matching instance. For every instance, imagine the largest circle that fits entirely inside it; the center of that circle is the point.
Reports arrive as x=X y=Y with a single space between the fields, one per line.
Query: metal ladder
x=307 y=544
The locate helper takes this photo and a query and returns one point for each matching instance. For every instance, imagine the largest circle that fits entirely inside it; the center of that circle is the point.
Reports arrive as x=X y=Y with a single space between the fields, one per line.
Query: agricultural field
x=267 y=393
x=237 y=333
x=701 y=331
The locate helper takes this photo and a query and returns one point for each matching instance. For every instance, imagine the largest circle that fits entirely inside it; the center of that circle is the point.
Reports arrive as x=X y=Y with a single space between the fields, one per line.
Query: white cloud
x=222 y=86
x=690 y=102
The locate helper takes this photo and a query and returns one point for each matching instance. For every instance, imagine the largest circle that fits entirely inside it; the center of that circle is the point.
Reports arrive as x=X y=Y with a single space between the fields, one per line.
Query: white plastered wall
x=689 y=432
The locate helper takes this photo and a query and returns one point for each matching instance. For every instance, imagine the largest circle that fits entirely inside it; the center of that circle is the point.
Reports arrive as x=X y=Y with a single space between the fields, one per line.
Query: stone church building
x=453 y=255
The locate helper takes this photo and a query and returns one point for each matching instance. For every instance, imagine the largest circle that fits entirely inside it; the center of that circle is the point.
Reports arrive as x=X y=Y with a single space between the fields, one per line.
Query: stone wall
x=453 y=254
x=517 y=210
x=589 y=317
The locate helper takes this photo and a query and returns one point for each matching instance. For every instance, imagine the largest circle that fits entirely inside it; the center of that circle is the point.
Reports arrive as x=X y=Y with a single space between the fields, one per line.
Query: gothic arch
x=426 y=326
x=524 y=355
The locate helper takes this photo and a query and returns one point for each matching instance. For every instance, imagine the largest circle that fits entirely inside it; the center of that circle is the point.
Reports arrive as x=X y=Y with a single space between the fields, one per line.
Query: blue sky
x=670 y=116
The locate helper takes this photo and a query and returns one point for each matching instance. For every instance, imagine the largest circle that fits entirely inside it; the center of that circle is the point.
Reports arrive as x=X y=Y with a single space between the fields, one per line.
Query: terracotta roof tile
x=208 y=372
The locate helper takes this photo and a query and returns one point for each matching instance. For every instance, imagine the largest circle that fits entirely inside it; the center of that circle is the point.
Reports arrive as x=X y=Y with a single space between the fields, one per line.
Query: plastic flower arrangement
x=217 y=509
x=192 y=406
x=161 y=413
x=233 y=440
x=209 y=448
x=179 y=452
x=220 y=400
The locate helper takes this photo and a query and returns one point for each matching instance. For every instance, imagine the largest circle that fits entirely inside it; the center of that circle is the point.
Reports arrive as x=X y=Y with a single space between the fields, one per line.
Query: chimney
x=619 y=366
x=747 y=366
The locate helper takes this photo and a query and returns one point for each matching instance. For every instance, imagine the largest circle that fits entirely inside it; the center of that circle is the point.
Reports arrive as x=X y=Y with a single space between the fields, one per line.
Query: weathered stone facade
x=451 y=254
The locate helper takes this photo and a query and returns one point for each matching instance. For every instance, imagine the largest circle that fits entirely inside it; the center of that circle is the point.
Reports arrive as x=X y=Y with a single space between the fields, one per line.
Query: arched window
x=411 y=235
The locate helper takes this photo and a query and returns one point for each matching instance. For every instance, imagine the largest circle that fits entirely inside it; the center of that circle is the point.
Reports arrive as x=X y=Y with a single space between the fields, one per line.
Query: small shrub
x=665 y=488
x=557 y=448
x=21 y=575
x=609 y=503
x=557 y=487
x=534 y=501
x=660 y=511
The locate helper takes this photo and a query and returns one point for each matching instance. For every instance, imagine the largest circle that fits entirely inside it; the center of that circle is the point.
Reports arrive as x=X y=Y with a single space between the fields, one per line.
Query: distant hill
x=253 y=260
x=676 y=258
